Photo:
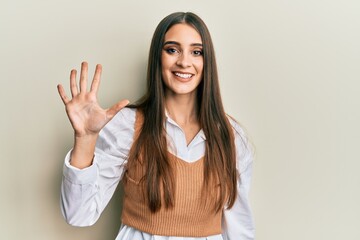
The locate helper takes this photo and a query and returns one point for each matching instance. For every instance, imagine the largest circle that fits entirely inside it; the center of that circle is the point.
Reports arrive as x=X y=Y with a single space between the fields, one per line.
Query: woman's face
x=182 y=59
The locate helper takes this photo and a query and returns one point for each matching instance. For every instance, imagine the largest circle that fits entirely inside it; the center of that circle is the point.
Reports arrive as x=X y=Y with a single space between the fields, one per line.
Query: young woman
x=185 y=165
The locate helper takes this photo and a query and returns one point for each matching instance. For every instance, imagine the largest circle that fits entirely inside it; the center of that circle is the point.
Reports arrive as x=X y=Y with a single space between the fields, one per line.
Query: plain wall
x=289 y=73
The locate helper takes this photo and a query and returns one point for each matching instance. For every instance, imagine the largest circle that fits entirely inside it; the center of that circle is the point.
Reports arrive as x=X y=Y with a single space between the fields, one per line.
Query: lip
x=182 y=72
x=183 y=79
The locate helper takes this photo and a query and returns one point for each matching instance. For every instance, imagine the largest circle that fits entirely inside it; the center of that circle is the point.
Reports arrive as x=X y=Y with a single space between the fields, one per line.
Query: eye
x=171 y=50
x=197 y=52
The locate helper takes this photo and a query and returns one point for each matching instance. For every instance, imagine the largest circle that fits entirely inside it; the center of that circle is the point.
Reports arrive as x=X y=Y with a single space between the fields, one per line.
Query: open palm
x=85 y=114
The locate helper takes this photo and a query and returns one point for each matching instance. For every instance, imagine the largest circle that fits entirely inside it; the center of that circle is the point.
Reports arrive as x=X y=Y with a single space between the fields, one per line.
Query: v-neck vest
x=190 y=216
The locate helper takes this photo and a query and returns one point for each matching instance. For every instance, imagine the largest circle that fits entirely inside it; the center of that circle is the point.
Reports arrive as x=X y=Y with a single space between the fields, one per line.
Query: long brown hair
x=220 y=156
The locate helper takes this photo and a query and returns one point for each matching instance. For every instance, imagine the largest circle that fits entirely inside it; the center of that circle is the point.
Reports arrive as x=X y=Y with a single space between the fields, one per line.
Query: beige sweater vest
x=191 y=216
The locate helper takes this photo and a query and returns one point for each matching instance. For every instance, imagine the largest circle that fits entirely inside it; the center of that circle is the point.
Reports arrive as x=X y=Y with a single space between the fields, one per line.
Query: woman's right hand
x=86 y=116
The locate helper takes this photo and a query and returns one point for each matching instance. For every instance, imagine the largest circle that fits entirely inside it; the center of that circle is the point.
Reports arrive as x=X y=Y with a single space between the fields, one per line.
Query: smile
x=183 y=75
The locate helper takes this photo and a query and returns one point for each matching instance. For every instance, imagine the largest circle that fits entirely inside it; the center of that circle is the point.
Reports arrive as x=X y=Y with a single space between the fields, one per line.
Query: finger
x=96 y=81
x=73 y=86
x=83 y=77
x=62 y=94
x=110 y=113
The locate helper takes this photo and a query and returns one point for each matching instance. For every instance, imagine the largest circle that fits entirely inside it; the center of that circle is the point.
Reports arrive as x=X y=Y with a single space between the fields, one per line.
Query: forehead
x=183 y=33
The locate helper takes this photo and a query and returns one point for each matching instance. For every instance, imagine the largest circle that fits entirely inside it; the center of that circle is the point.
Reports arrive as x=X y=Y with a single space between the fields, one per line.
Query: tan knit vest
x=191 y=216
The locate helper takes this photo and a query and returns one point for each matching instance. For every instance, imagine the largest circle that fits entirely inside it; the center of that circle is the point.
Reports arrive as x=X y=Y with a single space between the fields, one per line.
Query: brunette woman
x=185 y=165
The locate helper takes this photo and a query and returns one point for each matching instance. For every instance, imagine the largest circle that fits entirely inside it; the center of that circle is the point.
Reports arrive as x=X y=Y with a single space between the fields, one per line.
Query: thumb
x=110 y=113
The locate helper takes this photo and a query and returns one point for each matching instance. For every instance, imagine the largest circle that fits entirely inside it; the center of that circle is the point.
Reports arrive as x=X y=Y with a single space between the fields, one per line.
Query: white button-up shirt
x=86 y=192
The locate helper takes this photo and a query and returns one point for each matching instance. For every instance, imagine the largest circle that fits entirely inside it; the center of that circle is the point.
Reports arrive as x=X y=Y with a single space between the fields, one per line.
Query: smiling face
x=182 y=60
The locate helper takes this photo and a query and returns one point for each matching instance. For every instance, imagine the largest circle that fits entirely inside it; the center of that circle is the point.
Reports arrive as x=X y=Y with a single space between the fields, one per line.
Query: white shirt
x=86 y=192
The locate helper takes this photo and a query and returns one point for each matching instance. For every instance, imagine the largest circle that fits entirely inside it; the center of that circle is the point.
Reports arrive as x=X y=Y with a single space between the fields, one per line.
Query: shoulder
x=120 y=126
x=125 y=118
x=244 y=148
x=116 y=137
x=237 y=128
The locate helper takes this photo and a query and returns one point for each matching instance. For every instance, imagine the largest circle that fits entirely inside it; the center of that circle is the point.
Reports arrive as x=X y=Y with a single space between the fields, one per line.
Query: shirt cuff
x=79 y=176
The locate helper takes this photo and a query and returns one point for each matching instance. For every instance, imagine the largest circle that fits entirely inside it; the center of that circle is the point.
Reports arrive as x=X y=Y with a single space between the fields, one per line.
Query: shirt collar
x=171 y=121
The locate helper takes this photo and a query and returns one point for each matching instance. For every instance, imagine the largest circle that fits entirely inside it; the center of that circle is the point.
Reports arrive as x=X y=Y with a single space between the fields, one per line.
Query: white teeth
x=183 y=75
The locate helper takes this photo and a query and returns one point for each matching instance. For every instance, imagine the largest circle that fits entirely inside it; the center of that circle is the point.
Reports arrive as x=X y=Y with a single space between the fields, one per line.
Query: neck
x=182 y=108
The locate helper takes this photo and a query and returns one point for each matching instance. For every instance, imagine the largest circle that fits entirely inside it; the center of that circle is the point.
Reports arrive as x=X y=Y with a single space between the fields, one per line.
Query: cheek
x=200 y=65
x=163 y=61
x=166 y=60
x=164 y=65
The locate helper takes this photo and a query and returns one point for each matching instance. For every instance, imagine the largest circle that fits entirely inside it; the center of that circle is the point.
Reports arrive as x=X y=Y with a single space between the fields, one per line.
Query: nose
x=184 y=60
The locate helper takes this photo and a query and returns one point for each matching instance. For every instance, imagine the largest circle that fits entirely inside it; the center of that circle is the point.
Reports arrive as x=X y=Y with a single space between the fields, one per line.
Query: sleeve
x=238 y=222
x=86 y=192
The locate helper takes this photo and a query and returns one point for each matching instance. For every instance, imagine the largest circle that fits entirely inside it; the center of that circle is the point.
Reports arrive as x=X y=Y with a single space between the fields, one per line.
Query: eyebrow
x=176 y=43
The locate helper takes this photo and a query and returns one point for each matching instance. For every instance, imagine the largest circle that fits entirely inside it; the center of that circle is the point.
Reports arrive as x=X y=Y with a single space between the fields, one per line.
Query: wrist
x=87 y=139
x=83 y=151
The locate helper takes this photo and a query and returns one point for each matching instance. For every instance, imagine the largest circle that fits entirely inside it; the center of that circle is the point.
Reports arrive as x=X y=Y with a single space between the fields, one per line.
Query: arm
x=86 y=192
x=91 y=176
x=238 y=221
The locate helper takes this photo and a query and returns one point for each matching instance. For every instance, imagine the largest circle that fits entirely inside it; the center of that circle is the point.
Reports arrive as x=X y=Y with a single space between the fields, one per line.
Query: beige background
x=289 y=73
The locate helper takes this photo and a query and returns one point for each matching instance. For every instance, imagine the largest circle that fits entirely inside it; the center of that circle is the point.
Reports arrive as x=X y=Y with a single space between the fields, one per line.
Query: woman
x=185 y=165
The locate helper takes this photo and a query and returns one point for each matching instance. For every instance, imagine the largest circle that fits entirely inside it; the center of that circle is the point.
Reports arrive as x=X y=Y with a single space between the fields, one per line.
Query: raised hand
x=86 y=116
